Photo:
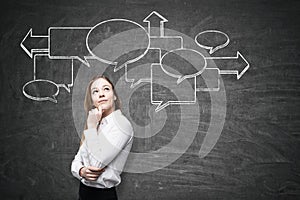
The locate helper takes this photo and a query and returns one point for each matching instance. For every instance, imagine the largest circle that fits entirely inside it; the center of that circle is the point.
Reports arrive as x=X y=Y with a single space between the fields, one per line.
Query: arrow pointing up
x=151 y=19
x=34 y=43
x=230 y=65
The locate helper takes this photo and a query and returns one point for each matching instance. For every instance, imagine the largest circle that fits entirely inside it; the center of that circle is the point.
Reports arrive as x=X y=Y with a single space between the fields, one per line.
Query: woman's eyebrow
x=106 y=86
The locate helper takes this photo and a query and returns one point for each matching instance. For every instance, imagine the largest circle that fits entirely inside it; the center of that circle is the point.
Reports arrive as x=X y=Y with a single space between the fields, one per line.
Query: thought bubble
x=212 y=40
x=41 y=90
x=184 y=63
x=124 y=36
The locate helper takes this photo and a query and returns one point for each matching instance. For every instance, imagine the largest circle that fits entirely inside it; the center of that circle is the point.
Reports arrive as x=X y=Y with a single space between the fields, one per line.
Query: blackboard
x=257 y=153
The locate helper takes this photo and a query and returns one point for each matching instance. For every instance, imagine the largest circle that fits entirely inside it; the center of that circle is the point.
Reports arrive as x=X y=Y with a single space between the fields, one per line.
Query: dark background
x=257 y=155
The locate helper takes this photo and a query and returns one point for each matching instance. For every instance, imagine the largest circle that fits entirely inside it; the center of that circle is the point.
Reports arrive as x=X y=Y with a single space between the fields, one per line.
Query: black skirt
x=92 y=193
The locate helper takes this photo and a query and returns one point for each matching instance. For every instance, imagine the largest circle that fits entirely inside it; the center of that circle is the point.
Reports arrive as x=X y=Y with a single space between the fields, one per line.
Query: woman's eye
x=94 y=91
x=106 y=89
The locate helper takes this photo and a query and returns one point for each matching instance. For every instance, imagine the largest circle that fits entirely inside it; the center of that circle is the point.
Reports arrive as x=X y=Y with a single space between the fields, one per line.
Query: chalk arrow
x=152 y=19
x=230 y=65
x=34 y=43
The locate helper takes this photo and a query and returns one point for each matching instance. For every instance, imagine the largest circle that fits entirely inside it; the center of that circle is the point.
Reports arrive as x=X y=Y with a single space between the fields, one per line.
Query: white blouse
x=108 y=146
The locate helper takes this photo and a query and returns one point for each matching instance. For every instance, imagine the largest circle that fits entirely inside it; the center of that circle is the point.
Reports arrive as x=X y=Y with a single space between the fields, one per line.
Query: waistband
x=83 y=186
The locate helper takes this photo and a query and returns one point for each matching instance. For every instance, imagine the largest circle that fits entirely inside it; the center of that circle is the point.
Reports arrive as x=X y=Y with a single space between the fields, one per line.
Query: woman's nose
x=101 y=93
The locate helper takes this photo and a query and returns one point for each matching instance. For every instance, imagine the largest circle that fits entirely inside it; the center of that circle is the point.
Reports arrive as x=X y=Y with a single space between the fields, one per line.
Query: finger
x=87 y=171
x=92 y=179
x=95 y=111
x=98 y=114
x=95 y=169
x=100 y=109
x=92 y=114
x=93 y=175
x=97 y=173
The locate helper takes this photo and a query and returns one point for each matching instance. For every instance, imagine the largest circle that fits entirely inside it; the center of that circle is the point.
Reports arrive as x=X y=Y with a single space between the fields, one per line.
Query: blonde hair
x=88 y=102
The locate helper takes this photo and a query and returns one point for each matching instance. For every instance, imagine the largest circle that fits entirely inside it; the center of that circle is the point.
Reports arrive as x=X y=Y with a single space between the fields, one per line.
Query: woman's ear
x=115 y=98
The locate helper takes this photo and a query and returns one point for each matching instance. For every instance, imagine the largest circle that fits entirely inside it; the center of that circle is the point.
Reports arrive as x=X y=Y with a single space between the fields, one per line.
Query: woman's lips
x=102 y=101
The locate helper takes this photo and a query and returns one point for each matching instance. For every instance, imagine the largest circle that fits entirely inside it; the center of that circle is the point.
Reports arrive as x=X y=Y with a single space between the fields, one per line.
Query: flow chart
x=130 y=43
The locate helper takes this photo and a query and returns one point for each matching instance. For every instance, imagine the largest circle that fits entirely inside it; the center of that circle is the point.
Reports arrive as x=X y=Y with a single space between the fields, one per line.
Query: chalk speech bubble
x=186 y=63
x=68 y=42
x=139 y=71
x=165 y=91
x=135 y=103
x=212 y=40
x=124 y=36
x=41 y=90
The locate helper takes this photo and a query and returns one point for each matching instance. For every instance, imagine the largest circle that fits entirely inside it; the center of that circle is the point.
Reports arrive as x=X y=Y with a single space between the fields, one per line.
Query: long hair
x=88 y=102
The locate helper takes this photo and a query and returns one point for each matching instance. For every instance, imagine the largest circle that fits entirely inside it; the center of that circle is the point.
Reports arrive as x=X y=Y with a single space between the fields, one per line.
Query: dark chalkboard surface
x=257 y=153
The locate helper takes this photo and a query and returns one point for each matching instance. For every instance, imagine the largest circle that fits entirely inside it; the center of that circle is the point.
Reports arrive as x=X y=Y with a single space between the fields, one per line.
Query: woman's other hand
x=91 y=173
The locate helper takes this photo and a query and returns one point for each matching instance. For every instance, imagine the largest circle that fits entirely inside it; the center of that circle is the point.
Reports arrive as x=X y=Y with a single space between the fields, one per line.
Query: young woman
x=105 y=145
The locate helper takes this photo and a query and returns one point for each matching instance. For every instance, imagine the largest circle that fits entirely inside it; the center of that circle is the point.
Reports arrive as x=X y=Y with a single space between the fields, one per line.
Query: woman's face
x=103 y=95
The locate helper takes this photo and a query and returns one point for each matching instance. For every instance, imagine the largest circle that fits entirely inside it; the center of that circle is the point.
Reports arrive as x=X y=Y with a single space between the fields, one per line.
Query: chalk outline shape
x=147 y=80
x=159 y=107
x=168 y=37
x=141 y=80
x=210 y=89
x=112 y=62
x=212 y=49
x=85 y=61
x=161 y=23
x=236 y=72
x=63 y=85
x=53 y=99
x=32 y=51
x=161 y=29
x=181 y=78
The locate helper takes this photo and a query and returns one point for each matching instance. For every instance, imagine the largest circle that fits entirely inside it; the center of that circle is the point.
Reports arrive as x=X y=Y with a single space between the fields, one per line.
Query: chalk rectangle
x=68 y=42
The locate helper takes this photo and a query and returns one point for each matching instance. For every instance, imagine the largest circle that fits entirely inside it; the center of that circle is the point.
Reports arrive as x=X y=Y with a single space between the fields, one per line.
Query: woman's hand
x=91 y=173
x=94 y=117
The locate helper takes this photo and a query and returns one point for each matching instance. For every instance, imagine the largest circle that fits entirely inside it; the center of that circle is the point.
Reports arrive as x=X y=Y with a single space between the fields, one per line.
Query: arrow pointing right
x=230 y=65
x=151 y=19
x=34 y=44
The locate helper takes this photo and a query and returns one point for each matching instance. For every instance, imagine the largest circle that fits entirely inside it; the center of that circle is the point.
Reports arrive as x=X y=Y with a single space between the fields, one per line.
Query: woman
x=105 y=145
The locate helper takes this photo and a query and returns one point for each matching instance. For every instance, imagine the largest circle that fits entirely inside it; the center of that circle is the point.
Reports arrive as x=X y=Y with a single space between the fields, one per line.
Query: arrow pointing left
x=34 y=44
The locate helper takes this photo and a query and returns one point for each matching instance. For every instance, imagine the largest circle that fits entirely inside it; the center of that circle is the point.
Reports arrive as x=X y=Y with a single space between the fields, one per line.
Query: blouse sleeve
x=105 y=146
x=77 y=164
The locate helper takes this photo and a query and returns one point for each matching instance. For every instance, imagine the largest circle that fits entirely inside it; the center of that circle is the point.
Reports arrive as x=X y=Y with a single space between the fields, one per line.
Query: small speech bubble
x=184 y=63
x=41 y=90
x=110 y=39
x=68 y=42
x=166 y=91
x=212 y=40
